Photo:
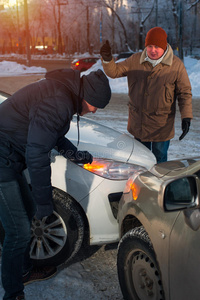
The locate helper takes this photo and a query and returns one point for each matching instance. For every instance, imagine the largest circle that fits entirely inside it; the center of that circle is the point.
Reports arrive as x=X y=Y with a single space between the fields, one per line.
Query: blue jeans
x=16 y=212
x=159 y=149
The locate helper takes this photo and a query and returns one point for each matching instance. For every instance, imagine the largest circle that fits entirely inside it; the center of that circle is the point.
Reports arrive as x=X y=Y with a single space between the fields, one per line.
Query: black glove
x=44 y=211
x=82 y=157
x=105 y=51
x=185 y=127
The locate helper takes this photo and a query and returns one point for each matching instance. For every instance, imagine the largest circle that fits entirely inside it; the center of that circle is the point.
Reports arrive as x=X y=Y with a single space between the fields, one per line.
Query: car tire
x=138 y=271
x=59 y=241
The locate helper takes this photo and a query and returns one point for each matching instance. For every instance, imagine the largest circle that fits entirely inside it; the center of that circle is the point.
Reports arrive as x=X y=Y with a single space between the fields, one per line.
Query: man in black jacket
x=33 y=121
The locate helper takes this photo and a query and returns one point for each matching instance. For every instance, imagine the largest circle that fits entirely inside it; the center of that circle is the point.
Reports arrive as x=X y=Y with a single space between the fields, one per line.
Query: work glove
x=185 y=127
x=105 y=51
x=82 y=157
x=44 y=211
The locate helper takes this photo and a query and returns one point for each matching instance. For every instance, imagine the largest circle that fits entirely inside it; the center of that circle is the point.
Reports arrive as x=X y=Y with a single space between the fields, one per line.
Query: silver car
x=159 y=223
x=86 y=197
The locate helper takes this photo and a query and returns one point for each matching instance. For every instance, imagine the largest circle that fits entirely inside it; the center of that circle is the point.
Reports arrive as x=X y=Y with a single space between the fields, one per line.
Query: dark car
x=159 y=224
x=83 y=64
x=124 y=55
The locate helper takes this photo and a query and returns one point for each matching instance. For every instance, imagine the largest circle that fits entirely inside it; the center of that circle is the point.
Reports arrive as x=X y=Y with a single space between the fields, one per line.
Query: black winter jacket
x=34 y=120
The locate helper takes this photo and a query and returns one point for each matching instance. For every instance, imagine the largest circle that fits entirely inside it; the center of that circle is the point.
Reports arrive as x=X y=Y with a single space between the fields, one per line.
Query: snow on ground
x=193 y=68
x=68 y=284
x=71 y=282
x=118 y=85
x=9 y=68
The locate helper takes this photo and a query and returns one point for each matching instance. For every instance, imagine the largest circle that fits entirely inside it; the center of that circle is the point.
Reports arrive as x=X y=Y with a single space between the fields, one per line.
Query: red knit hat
x=156 y=36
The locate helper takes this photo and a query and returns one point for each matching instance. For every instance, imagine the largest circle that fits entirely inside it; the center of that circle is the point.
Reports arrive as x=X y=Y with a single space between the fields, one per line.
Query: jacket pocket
x=162 y=112
x=160 y=118
x=169 y=92
x=132 y=108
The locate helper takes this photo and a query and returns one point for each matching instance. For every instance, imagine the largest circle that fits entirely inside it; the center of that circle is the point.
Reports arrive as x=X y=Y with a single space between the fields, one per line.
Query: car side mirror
x=180 y=193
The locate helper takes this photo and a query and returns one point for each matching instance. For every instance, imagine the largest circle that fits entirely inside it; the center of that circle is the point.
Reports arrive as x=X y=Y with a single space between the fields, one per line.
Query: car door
x=184 y=260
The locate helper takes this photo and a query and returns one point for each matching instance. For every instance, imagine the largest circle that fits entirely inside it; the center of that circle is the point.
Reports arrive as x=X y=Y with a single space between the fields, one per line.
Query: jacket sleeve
x=116 y=70
x=46 y=122
x=66 y=148
x=183 y=93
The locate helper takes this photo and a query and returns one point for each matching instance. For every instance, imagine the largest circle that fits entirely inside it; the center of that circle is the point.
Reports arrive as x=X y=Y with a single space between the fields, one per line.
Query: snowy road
x=115 y=115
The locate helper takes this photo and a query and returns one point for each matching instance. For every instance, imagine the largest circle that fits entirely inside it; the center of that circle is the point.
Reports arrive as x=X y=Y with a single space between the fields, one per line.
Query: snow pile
x=118 y=85
x=9 y=68
x=193 y=68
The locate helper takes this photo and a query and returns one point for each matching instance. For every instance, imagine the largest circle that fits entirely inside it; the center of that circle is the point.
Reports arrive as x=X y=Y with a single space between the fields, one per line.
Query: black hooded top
x=34 y=120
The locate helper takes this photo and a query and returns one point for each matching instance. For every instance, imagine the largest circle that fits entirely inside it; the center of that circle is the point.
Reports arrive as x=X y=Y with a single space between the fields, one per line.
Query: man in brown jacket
x=156 y=78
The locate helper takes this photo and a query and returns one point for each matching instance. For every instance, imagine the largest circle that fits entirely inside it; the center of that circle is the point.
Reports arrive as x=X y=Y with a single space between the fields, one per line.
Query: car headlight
x=112 y=169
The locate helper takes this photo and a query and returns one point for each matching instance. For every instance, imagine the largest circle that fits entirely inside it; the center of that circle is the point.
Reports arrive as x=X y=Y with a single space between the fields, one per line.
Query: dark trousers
x=16 y=212
x=159 y=149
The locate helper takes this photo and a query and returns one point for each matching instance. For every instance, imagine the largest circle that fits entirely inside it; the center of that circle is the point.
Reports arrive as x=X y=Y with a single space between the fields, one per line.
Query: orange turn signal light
x=134 y=188
x=135 y=191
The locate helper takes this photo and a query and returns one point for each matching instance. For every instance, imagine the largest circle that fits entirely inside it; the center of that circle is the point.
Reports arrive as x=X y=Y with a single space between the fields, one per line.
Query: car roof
x=86 y=57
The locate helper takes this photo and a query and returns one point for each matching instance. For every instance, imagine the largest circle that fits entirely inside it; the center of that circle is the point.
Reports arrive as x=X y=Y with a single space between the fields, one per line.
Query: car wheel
x=54 y=243
x=59 y=240
x=138 y=271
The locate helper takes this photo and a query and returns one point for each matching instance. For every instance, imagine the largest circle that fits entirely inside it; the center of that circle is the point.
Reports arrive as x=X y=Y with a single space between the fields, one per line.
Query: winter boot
x=39 y=274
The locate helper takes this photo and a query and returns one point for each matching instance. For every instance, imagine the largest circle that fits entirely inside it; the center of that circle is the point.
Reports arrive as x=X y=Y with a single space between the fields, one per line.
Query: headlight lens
x=112 y=169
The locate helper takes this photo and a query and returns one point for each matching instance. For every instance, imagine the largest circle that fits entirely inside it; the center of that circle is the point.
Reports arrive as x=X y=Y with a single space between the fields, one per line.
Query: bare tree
x=175 y=15
x=74 y=25
x=143 y=20
x=56 y=6
x=113 y=6
x=193 y=39
x=38 y=23
x=9 y=29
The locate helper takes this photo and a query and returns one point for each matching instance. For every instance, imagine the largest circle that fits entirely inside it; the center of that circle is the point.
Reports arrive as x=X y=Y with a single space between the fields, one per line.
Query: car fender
x=63 y=170
x=90 y=196
x=145 y=212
